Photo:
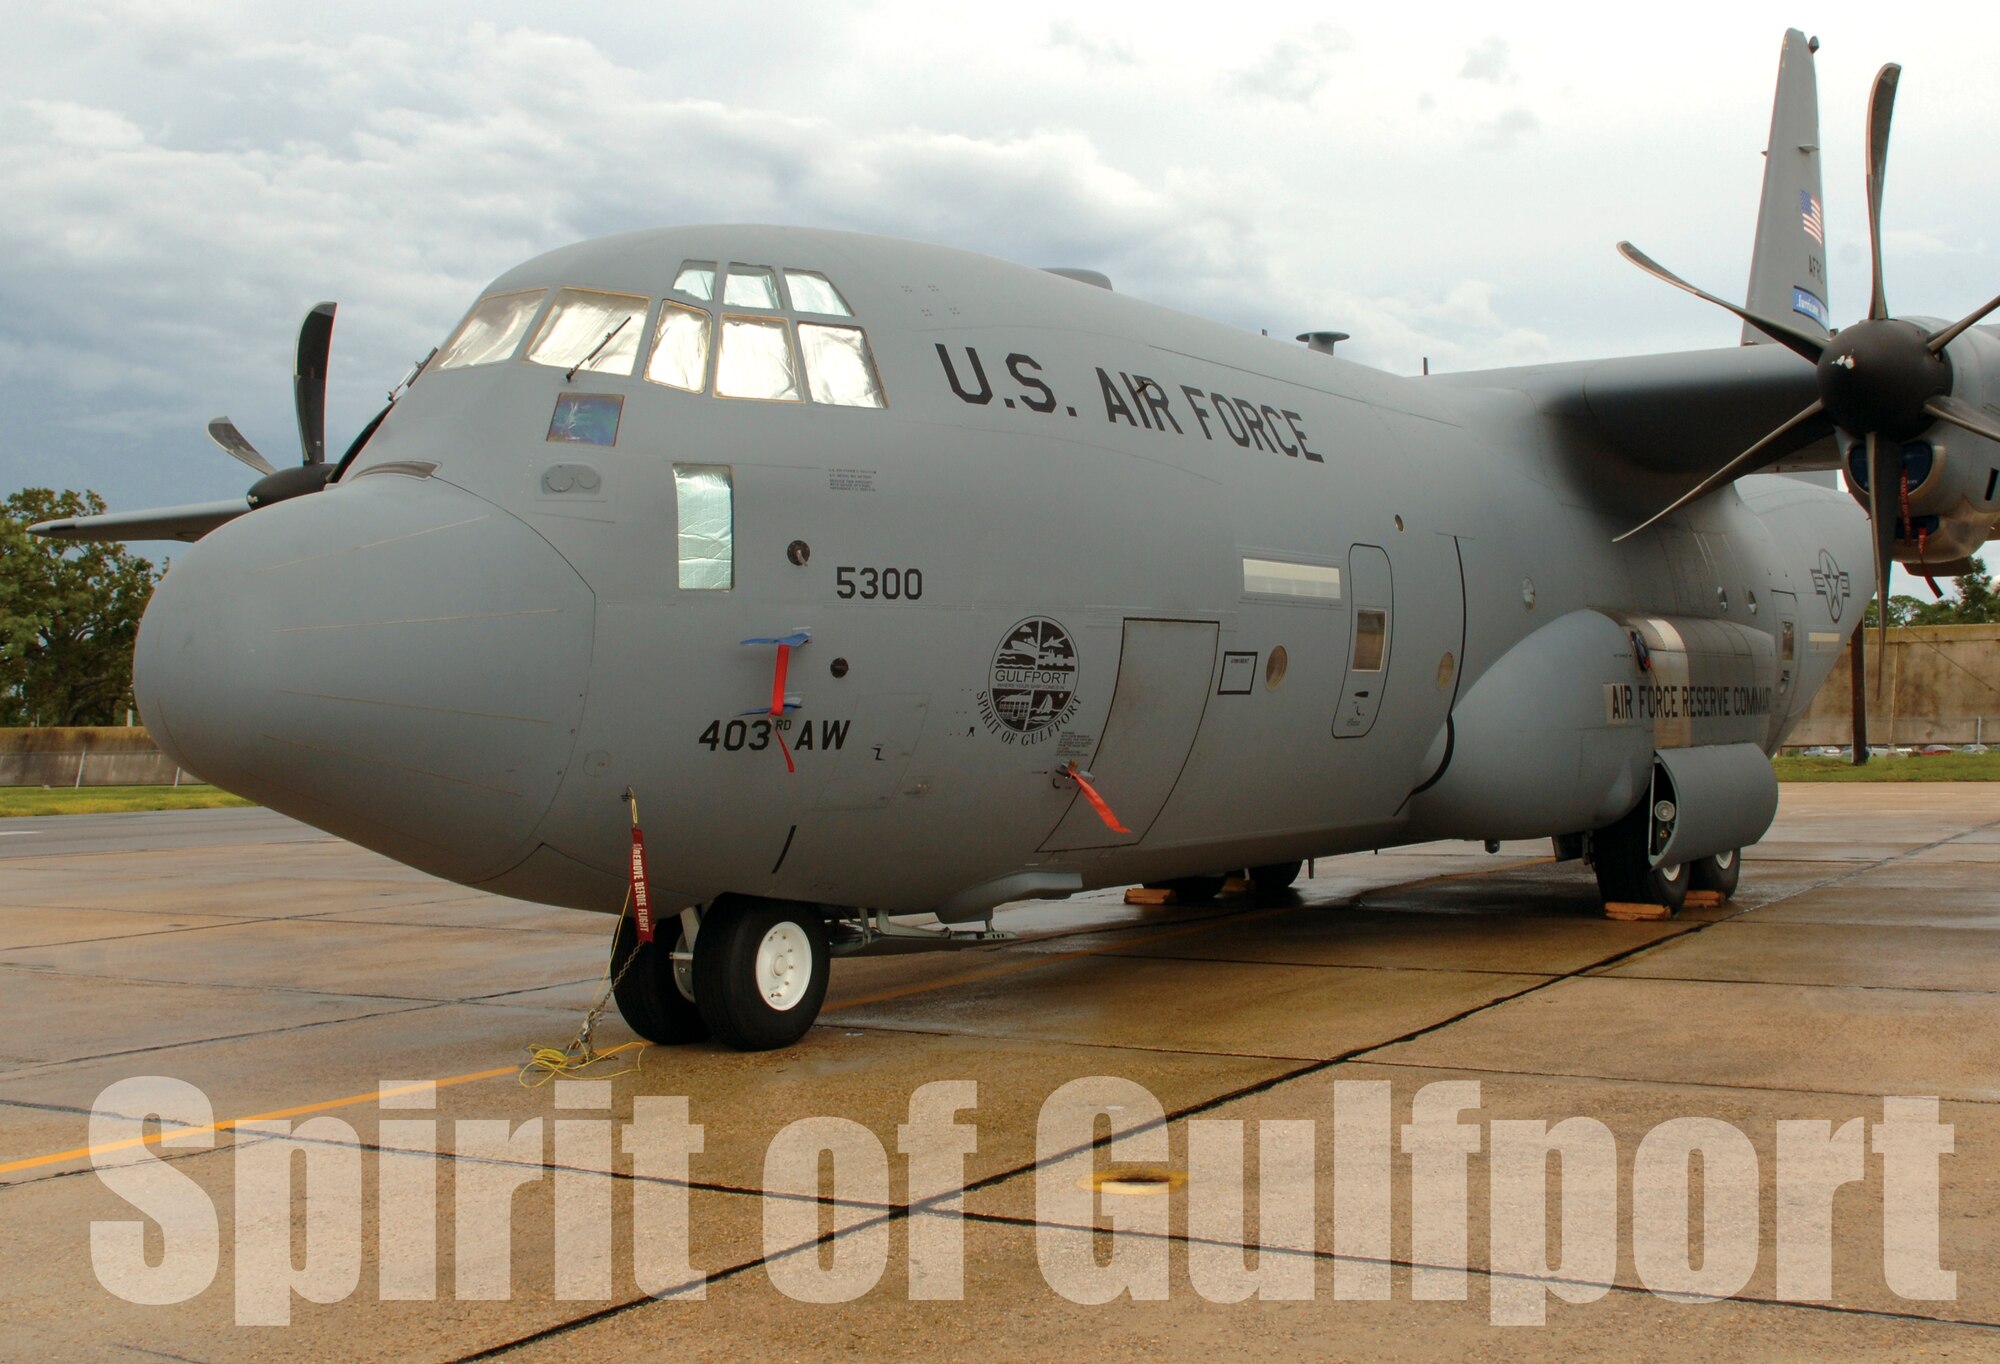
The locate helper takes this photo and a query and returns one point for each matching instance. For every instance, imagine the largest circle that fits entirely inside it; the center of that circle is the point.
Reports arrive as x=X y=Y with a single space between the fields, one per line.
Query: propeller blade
x=309 y=381
x=224 y=433
x=1884 y=460
x=1744 y=463
x=1881 y=105
x=1963 y=415
x=1796 y=341
x=1939 y=340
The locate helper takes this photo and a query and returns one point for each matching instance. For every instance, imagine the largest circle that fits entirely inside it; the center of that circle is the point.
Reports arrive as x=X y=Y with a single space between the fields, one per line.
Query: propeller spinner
x=1883 y=379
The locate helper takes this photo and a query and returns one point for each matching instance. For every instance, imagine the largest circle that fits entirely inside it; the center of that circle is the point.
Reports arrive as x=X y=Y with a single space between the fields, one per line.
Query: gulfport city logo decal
x=1831 y=582
x=1032 y=688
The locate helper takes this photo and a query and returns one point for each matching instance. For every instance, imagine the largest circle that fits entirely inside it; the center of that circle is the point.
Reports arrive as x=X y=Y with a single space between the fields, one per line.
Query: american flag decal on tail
x=1809 y=214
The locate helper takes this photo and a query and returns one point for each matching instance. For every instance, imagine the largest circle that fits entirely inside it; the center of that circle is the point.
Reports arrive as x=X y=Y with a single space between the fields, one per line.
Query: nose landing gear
x=760 y=971
x=755 y=980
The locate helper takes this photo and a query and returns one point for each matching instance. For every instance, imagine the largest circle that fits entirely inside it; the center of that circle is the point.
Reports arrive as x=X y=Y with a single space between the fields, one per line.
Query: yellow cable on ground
x=575 y=1060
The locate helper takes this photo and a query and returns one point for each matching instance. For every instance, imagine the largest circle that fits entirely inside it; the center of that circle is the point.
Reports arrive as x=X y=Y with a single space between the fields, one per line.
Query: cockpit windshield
x=490 y=331
x=768 y=340
x=591 y=331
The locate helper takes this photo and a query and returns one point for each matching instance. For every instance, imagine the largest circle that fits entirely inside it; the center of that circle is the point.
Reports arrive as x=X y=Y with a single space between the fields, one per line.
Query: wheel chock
x=1629 y=912
x=1146 y=895
x=1705 y=899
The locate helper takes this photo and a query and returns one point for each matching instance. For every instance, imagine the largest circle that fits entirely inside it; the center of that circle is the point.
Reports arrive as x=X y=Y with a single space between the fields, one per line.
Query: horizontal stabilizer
x=187 y=523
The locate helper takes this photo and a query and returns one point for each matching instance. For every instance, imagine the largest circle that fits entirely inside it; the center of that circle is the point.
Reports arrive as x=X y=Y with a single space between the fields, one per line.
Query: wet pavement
x=258 y=969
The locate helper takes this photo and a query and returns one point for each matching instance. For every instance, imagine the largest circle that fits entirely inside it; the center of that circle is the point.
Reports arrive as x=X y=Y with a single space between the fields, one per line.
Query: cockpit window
x=756 y=359
x=680 y=348
x=591 y=331
x=750 y=286
x=491 y=331
x=813 y=292
x=839 y=368
x=696 y=279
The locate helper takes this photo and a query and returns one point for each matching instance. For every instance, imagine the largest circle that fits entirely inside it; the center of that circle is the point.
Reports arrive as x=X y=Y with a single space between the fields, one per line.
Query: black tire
x=1625 y=873
x=1276 y=878
x=760 y=971
x=1719 y=873
x=1191 y=890
x=651 y=1000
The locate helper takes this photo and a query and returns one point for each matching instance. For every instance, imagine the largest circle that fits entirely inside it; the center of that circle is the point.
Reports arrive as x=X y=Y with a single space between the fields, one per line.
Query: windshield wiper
x=596 y=348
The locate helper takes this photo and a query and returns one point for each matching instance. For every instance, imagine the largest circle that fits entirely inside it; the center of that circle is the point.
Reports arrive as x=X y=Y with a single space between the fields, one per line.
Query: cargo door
x=1165 y=668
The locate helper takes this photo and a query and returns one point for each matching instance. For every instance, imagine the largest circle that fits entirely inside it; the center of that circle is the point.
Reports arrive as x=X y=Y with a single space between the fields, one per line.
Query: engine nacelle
x=1948 y=500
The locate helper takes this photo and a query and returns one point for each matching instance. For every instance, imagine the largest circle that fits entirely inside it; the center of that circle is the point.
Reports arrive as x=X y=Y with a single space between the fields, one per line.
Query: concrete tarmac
x=258 y=969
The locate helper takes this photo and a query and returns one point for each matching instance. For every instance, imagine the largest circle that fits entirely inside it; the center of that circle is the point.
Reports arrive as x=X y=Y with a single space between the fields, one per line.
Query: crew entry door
x=1368 y=642
x=1165 y=672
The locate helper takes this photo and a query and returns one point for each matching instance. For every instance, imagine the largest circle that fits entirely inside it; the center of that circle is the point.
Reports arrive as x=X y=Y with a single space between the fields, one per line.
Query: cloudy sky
x=182 y=179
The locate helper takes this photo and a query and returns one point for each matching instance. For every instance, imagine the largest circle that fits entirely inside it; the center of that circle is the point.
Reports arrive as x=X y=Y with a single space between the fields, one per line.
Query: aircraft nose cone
x=395 y=661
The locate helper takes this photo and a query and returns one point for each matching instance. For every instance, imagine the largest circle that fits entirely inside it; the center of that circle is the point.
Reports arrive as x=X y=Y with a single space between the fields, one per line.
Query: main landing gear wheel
x=1276 y=878
x=655 y=993
x=1625 y=873
x=1719 y=873
x=1191 y=890
x=760 y=970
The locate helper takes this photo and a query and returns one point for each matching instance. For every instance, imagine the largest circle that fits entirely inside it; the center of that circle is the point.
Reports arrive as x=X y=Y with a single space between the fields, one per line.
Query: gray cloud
x=1509 y=126
x=1294 y=67
x=185 y=177
x=1094 y=48
x=1487 y=61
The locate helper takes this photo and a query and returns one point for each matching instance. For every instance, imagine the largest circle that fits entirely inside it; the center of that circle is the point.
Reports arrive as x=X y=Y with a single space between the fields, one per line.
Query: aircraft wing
x=1688 y=412
x=187 y=523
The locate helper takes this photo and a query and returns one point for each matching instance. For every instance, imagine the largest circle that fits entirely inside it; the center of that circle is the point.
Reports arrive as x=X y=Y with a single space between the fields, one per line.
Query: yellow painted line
x=1124 y=944
x=150 y=1138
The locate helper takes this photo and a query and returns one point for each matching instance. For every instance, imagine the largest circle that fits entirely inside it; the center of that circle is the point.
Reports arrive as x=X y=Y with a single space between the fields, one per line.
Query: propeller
x=1882 y=379
x=312 y=473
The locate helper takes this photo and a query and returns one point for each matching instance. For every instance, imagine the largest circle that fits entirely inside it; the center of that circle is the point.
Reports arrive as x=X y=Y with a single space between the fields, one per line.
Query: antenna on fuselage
x=1323 y=342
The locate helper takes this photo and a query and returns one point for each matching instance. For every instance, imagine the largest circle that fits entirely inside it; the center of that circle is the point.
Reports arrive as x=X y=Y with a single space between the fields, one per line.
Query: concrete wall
x=84 y=757
x=1941 y=686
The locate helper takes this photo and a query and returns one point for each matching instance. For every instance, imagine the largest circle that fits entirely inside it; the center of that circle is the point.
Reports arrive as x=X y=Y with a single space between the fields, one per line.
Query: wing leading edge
x=188 y=523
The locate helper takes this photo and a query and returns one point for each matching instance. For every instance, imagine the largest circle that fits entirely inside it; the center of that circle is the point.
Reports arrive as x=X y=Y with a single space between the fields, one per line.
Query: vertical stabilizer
x=1788 y=265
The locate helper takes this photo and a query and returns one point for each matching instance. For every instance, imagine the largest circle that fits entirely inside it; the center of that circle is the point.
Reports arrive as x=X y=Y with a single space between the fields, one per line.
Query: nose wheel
x=760 y=971
x=655 y=993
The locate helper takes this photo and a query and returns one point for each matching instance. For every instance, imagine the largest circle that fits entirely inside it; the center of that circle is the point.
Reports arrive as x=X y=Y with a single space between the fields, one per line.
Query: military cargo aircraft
x=892 y=581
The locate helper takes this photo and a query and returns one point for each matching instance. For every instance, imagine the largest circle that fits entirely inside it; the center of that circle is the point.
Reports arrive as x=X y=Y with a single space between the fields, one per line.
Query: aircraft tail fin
x=1788 y=265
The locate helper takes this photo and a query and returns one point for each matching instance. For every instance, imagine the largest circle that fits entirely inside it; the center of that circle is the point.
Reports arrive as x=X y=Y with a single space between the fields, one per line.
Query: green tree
x=1977 y=603
x=69 y=614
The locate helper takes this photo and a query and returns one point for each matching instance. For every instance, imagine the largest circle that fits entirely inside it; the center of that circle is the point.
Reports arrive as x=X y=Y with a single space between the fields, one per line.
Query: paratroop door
x=1164 y=672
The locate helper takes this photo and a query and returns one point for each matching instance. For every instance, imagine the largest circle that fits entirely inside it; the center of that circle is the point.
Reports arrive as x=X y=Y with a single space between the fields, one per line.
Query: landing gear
x=1623 y=861
x=1718 y=873
x=1276 y=878
x=655 y=993
x=760 y=971
x=1191 y=890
